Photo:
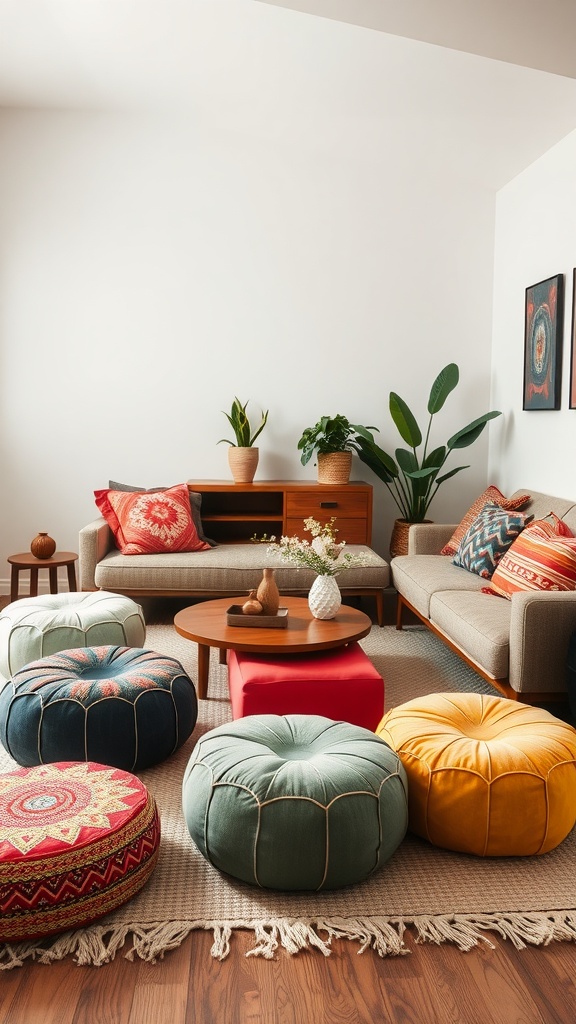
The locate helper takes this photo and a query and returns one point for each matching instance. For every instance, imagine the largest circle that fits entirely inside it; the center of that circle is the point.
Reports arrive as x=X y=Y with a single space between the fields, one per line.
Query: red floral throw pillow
x=145 y=523
x=490 y=494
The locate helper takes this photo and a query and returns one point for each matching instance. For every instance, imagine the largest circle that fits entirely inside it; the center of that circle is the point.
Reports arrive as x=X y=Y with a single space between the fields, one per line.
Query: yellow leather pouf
x=486 y=775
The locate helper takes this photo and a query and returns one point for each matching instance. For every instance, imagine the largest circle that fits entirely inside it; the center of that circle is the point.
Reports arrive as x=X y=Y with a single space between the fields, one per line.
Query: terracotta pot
x=399 y=538
x=243 y=463
x=334 y=467
x=43 y=546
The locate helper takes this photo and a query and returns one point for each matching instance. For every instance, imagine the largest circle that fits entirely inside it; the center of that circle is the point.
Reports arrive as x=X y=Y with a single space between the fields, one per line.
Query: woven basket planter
x=399 y=538
x=334 y=467
x=243 y=463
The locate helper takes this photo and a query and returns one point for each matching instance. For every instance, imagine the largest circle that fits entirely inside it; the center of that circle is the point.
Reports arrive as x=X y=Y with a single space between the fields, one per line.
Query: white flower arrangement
x=323 y=554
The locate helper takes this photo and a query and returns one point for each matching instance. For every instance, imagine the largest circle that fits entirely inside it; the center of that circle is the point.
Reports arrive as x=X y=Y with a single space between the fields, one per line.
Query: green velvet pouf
x=295 y=802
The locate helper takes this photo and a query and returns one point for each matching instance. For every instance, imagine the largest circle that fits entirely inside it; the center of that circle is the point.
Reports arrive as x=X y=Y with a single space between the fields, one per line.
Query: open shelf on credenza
x=235 y=513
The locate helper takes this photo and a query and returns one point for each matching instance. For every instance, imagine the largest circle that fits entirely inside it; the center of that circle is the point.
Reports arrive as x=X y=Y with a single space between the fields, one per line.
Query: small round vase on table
x=324 y=598
x=43 y=546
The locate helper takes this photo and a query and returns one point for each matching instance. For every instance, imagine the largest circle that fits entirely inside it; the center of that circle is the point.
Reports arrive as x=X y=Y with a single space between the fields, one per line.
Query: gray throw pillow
x=195 y=505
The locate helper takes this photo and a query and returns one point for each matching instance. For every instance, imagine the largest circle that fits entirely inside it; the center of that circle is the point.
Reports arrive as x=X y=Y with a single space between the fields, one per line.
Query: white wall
x=152 y=269
x=535 y=240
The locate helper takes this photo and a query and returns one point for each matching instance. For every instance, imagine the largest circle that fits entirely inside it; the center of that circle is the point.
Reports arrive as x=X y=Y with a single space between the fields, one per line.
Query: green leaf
x=377 y=460
x=364 y=431
x=444 y=384
x=405 y=422
x=469 y=434
x=422 y=474
x=446 y=476
x=406 y=460
x=436 y=458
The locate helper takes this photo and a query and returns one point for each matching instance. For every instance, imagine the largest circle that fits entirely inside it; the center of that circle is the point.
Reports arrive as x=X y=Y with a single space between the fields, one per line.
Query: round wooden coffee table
x=206 y=624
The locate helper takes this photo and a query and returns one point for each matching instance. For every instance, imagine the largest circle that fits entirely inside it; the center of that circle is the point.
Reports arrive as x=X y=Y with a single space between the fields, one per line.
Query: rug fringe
x=99 y=945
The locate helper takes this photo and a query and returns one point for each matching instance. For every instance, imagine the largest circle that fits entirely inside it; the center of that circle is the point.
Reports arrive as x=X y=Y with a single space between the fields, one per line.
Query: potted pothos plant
x=242 y=454
x=414 y=474
x=333 y=440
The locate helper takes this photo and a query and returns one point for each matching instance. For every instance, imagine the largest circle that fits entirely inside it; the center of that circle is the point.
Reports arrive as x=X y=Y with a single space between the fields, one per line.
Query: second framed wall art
x=544 y=316
x=572 y=391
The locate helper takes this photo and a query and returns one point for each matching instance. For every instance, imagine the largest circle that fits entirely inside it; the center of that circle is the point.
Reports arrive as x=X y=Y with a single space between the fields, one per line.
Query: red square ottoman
x=341 y=684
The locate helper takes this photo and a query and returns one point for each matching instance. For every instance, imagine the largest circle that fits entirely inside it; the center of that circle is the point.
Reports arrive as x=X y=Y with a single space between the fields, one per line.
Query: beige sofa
x=520 y=646
x=225 y=570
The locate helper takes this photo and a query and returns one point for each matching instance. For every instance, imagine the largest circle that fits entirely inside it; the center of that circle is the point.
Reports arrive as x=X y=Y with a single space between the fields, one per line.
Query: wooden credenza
x=234 y=513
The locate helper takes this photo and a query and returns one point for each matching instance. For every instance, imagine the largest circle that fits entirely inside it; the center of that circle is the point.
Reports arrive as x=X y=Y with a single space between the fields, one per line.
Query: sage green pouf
x=295 y=802
x=35 y=627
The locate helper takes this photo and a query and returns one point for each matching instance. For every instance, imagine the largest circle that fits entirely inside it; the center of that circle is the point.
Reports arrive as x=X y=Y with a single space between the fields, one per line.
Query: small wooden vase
x=268 y=593
x=43 y=546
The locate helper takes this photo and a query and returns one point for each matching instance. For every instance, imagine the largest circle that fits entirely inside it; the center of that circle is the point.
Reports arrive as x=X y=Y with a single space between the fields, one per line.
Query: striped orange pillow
x=490 y=494
x=536 y=562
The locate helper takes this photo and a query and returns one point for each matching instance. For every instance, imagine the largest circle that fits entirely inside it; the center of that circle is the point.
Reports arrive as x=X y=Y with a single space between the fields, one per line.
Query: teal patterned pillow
x=488 y=538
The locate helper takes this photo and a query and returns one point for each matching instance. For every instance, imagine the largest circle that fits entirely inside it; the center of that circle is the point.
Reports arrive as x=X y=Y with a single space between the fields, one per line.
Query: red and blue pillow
x=488 y=538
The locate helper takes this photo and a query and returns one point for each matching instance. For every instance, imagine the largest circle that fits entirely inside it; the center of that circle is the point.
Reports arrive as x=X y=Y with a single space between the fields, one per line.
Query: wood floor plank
x=158 y=985
x=107 y=993
x=47 y=994
x=549 y=974
x=431 y=985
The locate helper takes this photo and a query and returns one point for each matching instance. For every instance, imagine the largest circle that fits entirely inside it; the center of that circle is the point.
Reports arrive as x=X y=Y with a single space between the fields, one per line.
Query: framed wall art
x=572 y=391
x=543 y=320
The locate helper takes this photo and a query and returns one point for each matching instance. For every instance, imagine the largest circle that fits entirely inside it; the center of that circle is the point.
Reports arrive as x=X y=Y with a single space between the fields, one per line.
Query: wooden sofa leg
x=399 y=606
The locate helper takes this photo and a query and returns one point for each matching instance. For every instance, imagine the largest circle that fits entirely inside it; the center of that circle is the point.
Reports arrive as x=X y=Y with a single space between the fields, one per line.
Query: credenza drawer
x=353 y=531
x=324 y=504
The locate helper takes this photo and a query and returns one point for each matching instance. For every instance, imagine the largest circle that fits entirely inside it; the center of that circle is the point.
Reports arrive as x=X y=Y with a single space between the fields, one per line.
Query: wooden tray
x=236 y=617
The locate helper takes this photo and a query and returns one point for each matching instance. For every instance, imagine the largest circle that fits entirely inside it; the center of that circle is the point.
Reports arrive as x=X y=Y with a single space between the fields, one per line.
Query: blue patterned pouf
x=120 y=706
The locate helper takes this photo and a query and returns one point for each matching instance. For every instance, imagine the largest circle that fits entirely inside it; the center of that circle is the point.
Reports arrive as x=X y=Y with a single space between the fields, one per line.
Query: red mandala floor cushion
x=76 y=841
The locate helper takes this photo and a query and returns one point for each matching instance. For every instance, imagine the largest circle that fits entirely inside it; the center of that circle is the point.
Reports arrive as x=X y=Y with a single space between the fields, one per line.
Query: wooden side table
x=26 y=560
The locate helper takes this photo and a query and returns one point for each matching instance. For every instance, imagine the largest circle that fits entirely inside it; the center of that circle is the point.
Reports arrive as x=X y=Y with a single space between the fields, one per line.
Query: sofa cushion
x=492 y=494
x=417 y=577
x=228 y=568
x=478 y=624
x=488 y=538
x=150 y=522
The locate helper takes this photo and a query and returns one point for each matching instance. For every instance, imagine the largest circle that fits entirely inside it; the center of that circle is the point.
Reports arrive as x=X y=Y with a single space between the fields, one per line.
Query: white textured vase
x=324 y=598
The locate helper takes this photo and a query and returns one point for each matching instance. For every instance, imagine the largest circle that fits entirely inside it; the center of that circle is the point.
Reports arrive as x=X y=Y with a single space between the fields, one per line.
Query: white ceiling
x=535 y=33
x=311 y=83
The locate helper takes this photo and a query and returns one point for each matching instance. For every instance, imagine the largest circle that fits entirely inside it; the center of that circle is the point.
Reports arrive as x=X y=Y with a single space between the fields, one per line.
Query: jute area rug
x=441 y=896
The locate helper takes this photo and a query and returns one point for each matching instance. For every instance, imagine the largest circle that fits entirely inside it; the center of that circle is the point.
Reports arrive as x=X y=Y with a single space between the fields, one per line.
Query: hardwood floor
x=430 y=985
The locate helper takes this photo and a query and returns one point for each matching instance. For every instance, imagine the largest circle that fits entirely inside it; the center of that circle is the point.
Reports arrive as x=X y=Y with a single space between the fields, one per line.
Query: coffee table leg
x=203 y=670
